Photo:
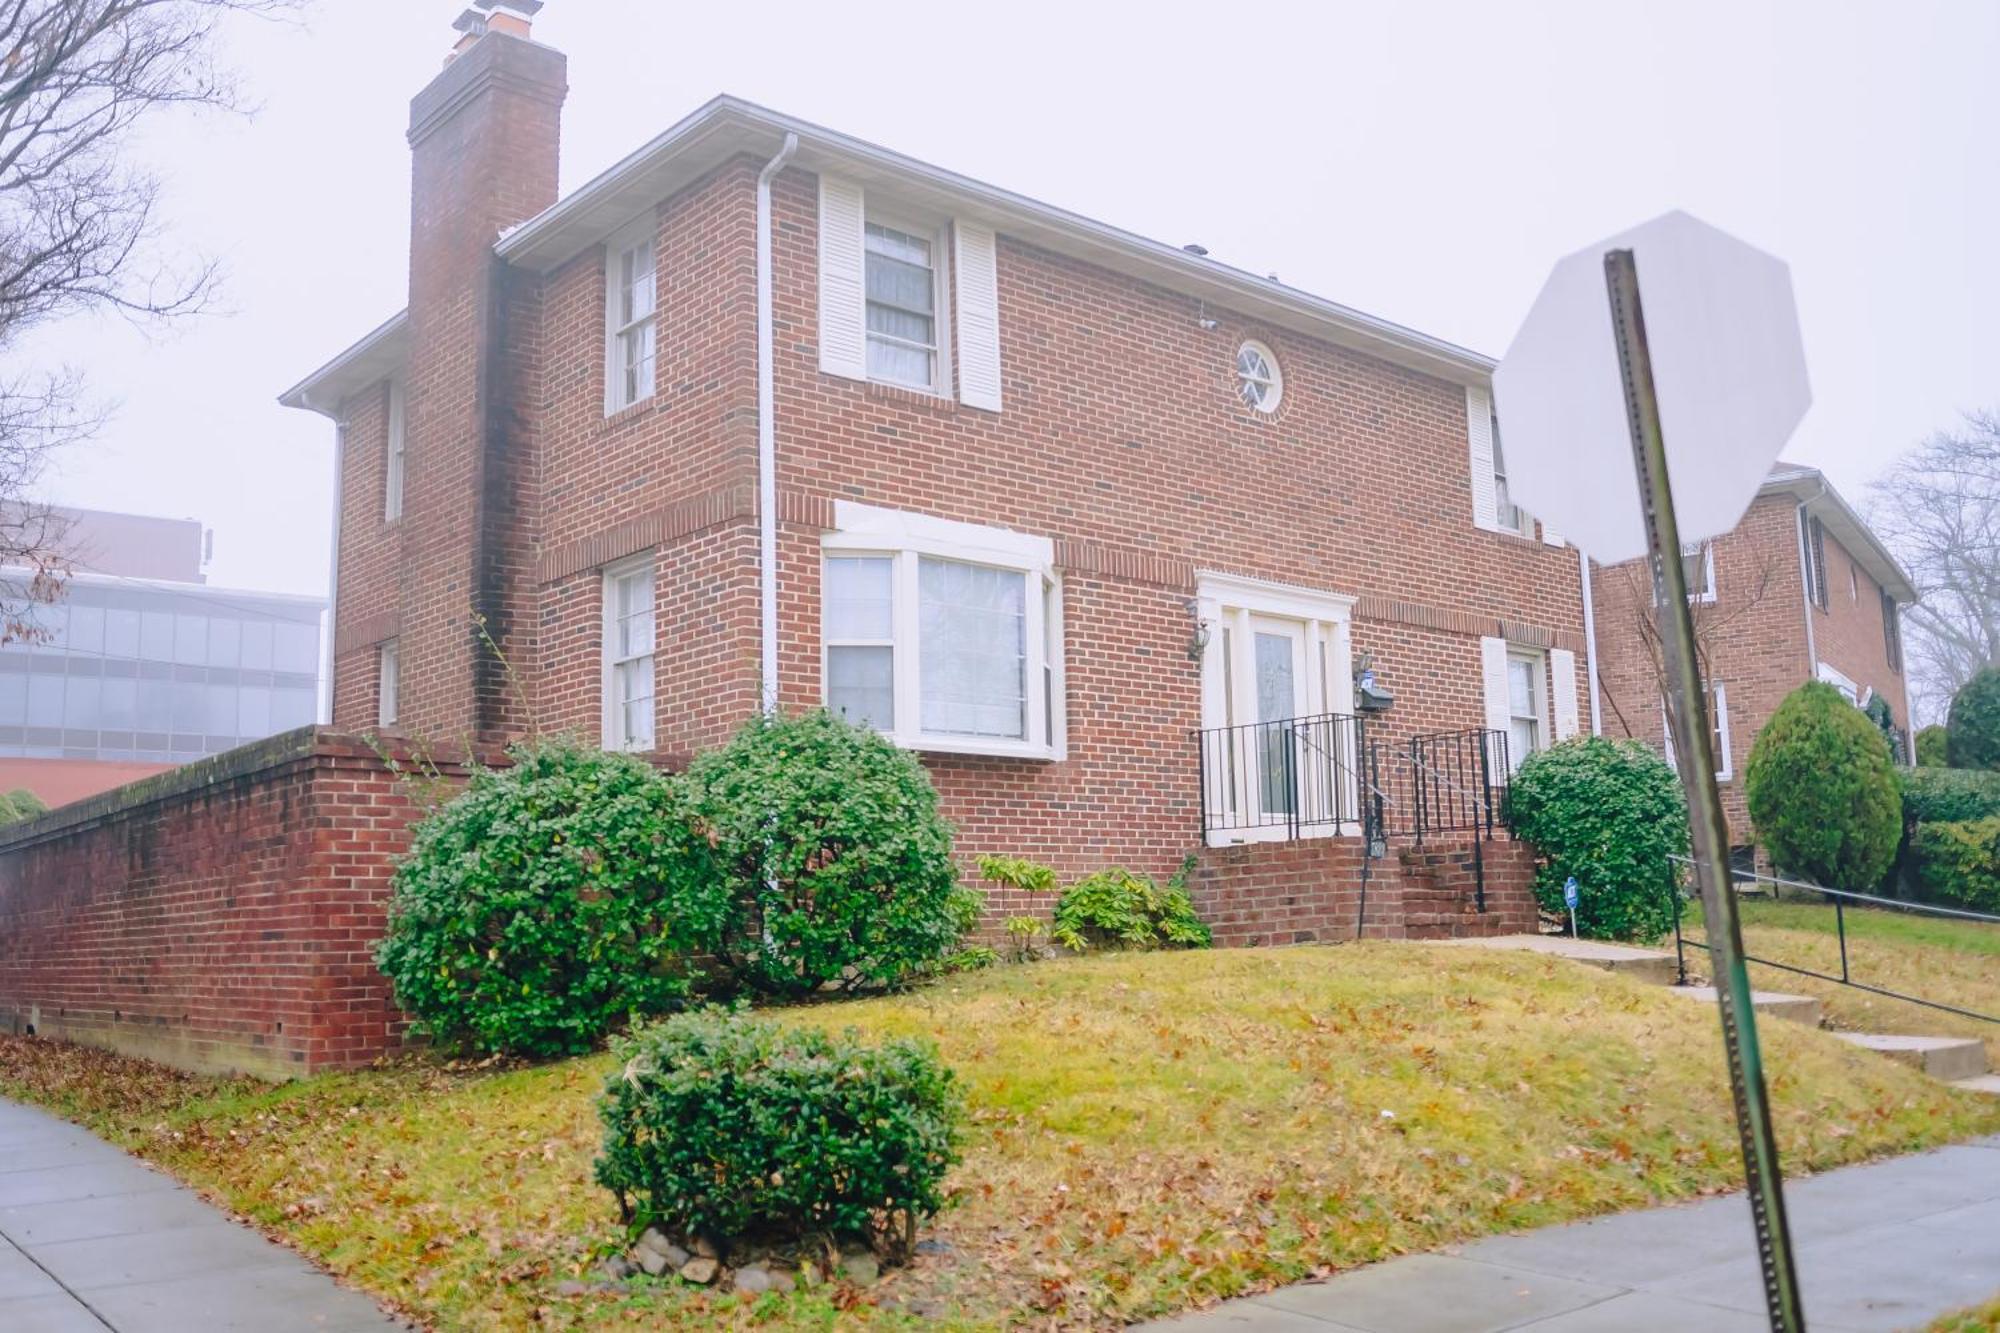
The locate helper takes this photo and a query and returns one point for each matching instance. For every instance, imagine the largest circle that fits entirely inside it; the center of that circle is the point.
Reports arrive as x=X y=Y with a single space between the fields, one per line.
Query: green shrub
x=25 y=804
x=549 y=901
x=1972 y=729
x=1014 y=873
x=1822 y=791
x=1958 y=861
x=1932 y=748
x=724 y=1126
x=1116 y=909
x=831 y=849
x=1610 y=813
x=1935 y=795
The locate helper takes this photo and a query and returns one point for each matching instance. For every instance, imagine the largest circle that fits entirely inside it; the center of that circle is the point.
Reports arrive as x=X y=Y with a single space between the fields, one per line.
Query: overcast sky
x=1425 y=161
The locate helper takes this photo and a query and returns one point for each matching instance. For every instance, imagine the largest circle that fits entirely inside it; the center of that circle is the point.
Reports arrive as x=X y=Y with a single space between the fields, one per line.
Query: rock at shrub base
x=652 y=1263
x=754 y=1280
x=861 y=1269
x=700 y=1270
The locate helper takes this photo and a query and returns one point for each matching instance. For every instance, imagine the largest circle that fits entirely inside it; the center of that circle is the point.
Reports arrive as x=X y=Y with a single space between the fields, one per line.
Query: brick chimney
x=484 y=145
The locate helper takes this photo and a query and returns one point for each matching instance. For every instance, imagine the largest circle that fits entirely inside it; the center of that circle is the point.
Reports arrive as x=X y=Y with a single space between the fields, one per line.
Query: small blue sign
x=1569 y=893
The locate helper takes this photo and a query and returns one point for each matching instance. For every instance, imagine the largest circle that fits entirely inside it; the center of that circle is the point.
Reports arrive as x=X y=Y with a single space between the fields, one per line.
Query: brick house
x=765 y=413
x=1800 y=590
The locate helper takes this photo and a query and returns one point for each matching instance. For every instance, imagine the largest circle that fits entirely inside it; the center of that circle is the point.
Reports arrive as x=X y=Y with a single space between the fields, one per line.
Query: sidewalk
x=1890 y=1245
x=92 y=1239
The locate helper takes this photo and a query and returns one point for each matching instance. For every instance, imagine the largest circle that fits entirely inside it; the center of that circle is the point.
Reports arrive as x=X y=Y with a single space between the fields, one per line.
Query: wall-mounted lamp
x=1370 y=695
x=1198 y=641
x=1203 y=318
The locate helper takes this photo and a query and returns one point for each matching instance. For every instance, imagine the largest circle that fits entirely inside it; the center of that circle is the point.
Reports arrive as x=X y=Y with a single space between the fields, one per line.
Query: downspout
x=1590 y=642
x=325 y=712
x=767 y=438
x=1805 y=583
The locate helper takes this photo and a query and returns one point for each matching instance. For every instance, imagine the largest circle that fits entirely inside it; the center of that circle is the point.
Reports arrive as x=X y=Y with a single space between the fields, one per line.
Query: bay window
x=944 y=636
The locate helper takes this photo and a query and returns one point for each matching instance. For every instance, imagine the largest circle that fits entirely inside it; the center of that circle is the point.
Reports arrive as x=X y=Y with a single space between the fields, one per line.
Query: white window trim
x=611 y=718
x=1840 y=681
x=396 y=458
x=643 y=232
x=1233 y=600
x=388 y=681
x=939 y=235
x=1543 y=716
x=1276 y=384
x=1524 y=522
x=1706 y=593
x=1725 y=766
x=904 y=537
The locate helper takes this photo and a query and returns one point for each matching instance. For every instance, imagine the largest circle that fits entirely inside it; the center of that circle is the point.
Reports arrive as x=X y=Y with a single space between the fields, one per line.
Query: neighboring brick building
x=1045 y=497
x=1800 y=590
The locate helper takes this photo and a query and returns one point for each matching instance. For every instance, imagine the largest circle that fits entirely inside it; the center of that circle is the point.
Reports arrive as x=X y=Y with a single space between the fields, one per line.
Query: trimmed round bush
x=1822 y=791
x=548 y=902
x=1959 y=862
x=1610 y=813
x=1972 y=729
x=1933 y=750
x=1116 y=909
x=724 y=1126
x=831 y=849
x=1937 y=795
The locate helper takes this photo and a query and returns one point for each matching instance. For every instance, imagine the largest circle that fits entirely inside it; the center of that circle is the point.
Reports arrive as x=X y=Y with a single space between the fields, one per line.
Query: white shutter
x=843 y=341
x=1550 y=537
x=1479 y=438
x=976 y=264
x=1562 y=687
x=1493 y=675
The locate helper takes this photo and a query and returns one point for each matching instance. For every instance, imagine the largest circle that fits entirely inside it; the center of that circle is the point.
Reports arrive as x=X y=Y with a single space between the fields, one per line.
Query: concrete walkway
x=1887 y=1246
x=93 y=1239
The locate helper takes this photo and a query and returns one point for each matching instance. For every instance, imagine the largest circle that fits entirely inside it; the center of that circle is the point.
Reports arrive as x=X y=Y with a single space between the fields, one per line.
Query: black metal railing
x=1844 y=902
x=1331 y=774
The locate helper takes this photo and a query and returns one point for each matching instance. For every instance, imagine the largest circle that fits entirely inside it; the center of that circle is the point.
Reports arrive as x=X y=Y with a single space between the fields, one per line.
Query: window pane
x=225 y=642
x=190 y=640
x=156 y=636
x=632 y=604
x=253 y=711
x=86 y=629
x=13 y=699
x=899 y=364
x=156 y=708
x=859 y=598
x=971 y=649
x=80 y=705
x=1521 y=688
x=190 y=707
x=45 y=701
x=860 y=686
x=221 y=720
x=257 y=641
x=295 y=649
x=119 y=712
x=121 y=633
x=291 y=708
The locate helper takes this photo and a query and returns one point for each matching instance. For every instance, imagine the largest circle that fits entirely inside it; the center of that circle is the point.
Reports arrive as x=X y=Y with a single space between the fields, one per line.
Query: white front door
x=1278 y=657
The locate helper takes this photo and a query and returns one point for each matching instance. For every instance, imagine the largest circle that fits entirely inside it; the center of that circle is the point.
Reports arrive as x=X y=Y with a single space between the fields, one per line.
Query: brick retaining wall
x=219 y=917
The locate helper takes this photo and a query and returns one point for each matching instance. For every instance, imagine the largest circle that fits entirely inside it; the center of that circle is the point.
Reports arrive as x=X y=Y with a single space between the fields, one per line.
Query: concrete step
x=1986 y=1083
x=1639 y=964
x=1775 y=1004
x=1947 y=1058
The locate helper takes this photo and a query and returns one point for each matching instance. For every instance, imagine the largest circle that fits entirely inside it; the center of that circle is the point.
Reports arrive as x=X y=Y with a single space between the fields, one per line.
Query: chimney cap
x=527 y=9
x=472 y=23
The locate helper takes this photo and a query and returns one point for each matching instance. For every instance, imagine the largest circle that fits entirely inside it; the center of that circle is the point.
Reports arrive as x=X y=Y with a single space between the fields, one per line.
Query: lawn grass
x=1147 y=1133
x=1980 y=1319
x=1948 y=961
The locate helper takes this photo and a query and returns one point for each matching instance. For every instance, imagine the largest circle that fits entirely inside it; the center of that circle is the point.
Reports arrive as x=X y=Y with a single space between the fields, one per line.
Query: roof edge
x=1811 y=488
x=378 y=354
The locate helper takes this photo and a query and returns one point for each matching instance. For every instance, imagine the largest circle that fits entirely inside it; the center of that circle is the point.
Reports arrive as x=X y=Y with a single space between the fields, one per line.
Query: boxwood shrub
x=829 y=845
x=724 y=1126
x=1933 y=750
x=1958 y=862
x=1610 y=813
x=1972 y=728
x=549 y=901
x=1822 y=791
x=1936 y=795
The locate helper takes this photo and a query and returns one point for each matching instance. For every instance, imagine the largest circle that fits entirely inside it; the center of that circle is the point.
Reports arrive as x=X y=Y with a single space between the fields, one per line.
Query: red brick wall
x=1848 y=635
x=220 y=917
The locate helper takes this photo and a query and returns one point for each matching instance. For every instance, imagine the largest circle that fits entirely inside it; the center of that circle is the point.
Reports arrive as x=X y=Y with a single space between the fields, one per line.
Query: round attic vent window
x=1258 y=381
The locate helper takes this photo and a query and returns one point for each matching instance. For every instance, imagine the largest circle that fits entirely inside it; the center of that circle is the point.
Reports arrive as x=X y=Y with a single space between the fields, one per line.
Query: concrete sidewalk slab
x=1884 y=1246
x=1649 y=965
x=93 y=1239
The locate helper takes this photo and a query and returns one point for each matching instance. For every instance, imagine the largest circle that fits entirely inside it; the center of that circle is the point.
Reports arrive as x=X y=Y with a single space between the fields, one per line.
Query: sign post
x=1569 y=901
x=1706 y=380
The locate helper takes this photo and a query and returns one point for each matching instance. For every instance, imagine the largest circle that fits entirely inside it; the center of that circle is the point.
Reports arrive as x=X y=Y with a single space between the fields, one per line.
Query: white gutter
x=325 y=710
x=1590 y=643
x=767 y=436
x=1806 y=573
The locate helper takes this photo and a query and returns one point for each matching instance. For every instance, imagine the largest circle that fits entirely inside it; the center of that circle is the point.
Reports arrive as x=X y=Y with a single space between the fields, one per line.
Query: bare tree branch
x=77 y=226
x=1938 y=508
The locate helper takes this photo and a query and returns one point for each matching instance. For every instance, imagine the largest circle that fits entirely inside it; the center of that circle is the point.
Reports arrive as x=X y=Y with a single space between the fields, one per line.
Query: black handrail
x=1840 y=898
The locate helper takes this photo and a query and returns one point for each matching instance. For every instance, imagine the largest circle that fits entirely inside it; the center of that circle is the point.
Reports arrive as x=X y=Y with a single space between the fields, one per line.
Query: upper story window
x=903 y=301
x=1892 y=633
x=1493 y=507
x=945 y=636
x=1718 y=733
x=392 y=487
x=1698 y=568
x=631 y=284
x=1259 y=383
x=628 y=655
x=1812 y=560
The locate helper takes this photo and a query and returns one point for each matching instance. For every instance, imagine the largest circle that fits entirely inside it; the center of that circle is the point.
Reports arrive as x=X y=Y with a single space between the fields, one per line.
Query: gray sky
x=1423 y=161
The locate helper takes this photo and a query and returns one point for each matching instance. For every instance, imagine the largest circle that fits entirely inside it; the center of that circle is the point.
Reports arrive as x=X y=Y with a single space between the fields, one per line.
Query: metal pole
x=1693 y=747
x=1840 y=924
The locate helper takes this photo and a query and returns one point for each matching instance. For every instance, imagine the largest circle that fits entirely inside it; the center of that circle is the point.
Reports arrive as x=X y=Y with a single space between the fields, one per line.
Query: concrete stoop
x=1986 y=1083
x=1952 y=1059
x=1775 y=1004
x=1639 y=964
